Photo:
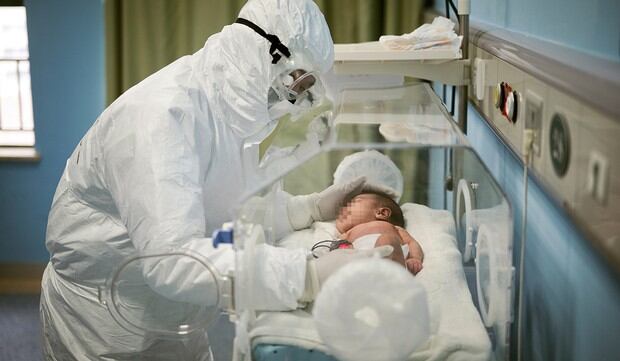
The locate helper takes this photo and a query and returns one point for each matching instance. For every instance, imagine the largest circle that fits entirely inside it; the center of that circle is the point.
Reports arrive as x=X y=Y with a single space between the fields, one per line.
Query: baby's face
x=360 y=209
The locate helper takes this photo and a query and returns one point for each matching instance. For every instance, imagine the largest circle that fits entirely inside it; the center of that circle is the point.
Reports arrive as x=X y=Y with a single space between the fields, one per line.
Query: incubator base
x=269 y=352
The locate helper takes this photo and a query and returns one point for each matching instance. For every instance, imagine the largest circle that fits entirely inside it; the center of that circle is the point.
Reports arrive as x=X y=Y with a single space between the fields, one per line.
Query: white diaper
x=368 y=241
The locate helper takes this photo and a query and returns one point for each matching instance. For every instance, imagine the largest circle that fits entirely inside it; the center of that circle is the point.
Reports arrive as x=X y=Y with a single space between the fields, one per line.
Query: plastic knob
x=512 y=103
x=498 y=95
x=224 y=235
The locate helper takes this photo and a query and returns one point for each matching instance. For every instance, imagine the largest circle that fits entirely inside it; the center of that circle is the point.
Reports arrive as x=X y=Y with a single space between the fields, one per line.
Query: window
x=16 y=119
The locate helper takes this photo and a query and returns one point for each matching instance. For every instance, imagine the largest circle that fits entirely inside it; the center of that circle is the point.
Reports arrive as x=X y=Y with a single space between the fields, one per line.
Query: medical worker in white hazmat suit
x=160 y=167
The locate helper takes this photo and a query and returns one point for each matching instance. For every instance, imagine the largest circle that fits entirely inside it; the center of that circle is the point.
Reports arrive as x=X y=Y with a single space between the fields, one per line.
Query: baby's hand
x=414 y=265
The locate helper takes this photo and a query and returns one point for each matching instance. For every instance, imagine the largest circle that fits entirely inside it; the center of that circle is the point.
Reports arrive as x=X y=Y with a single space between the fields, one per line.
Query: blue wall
x=572 y=298
x=66 y=41
x=591 y=26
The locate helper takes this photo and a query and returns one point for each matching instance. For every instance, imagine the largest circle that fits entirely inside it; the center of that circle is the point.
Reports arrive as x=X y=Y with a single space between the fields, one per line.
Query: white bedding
x=457 y=333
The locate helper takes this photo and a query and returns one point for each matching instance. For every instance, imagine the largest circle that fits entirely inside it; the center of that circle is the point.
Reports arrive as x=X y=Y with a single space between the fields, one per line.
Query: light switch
x=479 y=78
x=598 y=174
x=533 y=118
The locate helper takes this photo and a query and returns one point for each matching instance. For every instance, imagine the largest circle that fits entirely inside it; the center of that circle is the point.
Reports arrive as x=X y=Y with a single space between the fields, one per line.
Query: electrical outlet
x=598 y=173
x=533 y=118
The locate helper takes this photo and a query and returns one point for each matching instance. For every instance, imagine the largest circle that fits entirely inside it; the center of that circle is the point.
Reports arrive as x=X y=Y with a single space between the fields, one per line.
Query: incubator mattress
x=457 y=332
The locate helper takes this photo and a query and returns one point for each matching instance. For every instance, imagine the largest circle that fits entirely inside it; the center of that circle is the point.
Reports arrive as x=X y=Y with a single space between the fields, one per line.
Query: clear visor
x=298 y=85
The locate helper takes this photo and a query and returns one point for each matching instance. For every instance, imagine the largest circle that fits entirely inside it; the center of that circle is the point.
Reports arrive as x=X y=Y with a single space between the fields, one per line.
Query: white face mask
x=279 y=107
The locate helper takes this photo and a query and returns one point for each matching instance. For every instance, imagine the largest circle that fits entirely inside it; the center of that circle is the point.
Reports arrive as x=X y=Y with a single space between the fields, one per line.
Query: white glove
x=320 y=269
x=323 y=206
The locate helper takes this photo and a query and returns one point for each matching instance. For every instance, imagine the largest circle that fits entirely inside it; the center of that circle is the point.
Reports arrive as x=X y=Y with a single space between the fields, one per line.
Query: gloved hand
x=318 y=270
x=323 y=206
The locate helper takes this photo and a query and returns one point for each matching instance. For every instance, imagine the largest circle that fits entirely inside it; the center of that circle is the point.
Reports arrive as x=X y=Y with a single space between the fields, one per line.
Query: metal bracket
x=452 y=72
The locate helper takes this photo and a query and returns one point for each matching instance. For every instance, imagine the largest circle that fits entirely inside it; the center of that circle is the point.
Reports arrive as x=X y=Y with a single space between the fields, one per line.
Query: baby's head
x=367 y=207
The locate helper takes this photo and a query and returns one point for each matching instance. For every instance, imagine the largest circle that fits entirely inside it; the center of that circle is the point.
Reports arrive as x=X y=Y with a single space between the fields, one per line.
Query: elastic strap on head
x=276 y=44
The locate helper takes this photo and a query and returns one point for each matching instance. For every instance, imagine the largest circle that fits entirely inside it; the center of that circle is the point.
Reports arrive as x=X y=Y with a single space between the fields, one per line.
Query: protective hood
x=236 y=62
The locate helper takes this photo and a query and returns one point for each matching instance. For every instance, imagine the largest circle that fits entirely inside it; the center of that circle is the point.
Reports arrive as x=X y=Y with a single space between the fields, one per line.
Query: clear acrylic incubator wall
x=403 y=138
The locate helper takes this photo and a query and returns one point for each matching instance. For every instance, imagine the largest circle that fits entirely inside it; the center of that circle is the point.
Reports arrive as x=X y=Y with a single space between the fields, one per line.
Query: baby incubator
x=399 y=137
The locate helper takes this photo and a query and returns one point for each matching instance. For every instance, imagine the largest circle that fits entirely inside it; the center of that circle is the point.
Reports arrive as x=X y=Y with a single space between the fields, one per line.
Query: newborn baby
x=373 y=219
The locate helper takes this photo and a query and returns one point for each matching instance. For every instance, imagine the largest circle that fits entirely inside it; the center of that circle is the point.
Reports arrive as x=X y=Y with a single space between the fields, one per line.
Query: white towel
x=439 y=34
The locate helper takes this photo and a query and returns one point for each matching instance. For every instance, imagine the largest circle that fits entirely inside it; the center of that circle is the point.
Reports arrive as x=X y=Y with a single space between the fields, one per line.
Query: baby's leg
x=395 y=242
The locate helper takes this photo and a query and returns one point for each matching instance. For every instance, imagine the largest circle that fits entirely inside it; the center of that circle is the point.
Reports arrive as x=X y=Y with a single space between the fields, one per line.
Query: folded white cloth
x=440 y=33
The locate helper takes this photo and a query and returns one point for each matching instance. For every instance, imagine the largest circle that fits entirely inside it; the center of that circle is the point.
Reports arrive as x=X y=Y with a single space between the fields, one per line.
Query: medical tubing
x=450 y=4
x=444 y=93
x=527 y=145
x=276 y=44
x=521 y=264
x=463 y=97
x=322 y=244
x=330 y=245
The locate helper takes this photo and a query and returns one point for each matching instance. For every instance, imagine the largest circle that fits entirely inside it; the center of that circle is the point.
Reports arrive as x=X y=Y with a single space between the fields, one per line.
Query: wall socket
x=533 y=118
x=597 y=177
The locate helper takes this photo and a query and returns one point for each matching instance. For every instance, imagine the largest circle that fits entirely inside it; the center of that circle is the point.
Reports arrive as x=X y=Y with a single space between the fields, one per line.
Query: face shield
x=296 y=80
x=296 y=131
x=297 y=109
x=296 y=93
x=300 y=110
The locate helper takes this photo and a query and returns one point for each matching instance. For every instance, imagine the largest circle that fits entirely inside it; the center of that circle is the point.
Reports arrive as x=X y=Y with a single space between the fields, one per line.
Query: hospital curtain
x=142 y=36
x=365 y=20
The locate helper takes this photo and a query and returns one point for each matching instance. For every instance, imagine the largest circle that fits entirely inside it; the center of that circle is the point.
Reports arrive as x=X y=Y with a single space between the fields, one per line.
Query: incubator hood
x=442 y=180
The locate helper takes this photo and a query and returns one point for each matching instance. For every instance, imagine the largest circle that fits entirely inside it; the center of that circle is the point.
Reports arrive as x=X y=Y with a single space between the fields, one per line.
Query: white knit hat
x=381 y=173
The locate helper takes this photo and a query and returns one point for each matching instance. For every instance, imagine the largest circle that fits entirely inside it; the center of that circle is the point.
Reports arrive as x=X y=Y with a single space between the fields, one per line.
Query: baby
x=373 y=219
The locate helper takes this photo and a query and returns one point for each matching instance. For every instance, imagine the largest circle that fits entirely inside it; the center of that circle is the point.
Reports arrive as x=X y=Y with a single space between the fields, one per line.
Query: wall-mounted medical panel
x=598 y=176
x=555 y=109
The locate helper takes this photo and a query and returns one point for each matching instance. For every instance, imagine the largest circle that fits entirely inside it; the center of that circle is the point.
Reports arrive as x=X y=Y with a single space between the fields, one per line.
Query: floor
x=20 y=337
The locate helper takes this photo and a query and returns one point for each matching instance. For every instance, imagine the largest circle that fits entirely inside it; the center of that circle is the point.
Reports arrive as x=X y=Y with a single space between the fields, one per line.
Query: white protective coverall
x=159 y=169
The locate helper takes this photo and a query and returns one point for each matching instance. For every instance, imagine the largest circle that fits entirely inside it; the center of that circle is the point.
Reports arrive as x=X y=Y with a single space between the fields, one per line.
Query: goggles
x=300 y=83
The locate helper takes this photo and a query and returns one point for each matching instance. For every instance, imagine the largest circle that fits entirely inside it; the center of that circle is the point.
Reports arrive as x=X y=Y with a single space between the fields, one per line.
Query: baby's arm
x=416 y=255
x=392 y=239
